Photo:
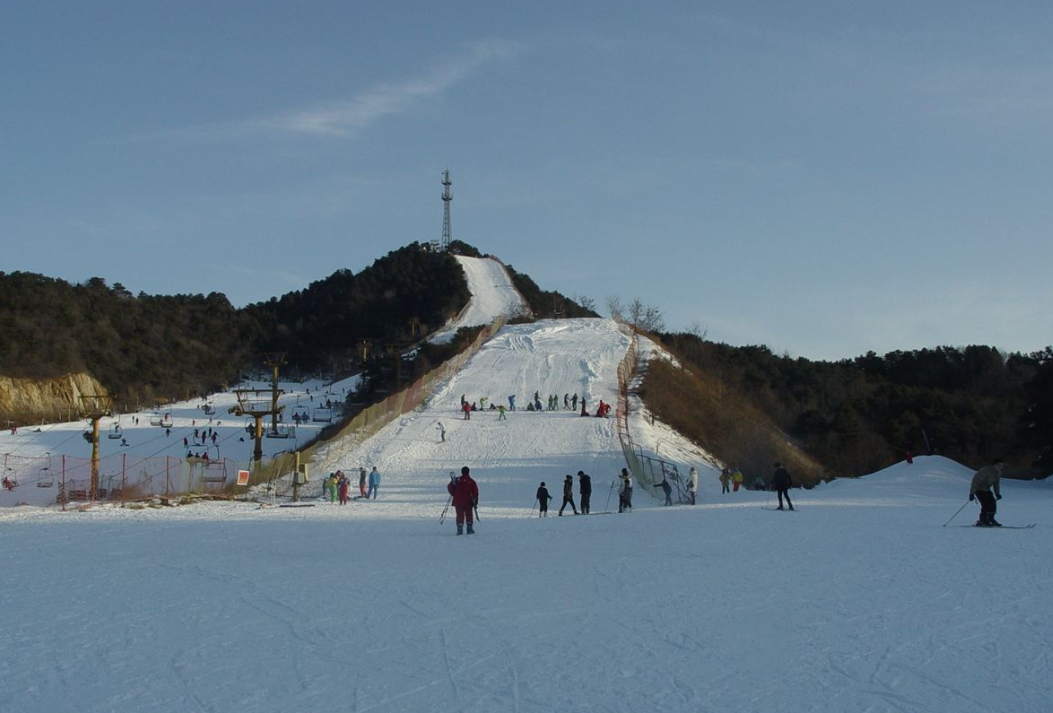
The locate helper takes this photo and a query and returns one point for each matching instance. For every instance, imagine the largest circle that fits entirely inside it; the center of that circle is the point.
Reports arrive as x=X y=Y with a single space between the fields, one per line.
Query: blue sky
x=825 y=178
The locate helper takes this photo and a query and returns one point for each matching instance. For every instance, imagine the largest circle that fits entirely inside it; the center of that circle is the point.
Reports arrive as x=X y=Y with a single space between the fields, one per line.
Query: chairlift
x=156 y=418
x=209 y=409
x=46 y=479
x=215 y=467
x=115 y=432
x=322 y=415
x=250 y=427
x=283 y=430
x=166 y=421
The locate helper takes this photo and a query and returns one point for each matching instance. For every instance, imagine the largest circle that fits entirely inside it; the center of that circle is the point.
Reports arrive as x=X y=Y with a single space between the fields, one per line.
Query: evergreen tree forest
x=859 y=415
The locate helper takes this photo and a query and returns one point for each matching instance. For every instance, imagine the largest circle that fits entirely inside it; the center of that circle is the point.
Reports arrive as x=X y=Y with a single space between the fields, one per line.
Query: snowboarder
x=692 y=484
x=568 y=495
x=442 y=431
x=625 y=493
x=781 y=482
x=542 y=498
x=736 y=479
x=374 y=483
x=585 y=486
x=987 y=478
x=465 y=497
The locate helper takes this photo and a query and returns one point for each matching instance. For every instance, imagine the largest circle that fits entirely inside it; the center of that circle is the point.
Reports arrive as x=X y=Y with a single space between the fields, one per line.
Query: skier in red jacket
x=465 y=494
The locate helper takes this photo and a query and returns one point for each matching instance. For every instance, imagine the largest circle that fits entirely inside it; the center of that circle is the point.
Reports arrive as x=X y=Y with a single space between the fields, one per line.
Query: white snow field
x=859 y=601
x=493 y=295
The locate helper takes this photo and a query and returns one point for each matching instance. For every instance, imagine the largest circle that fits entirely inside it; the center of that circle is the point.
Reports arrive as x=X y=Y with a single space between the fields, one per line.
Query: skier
x=467 y=408
x=501 y=413
x=987 y=478
x=542 y=498
x=374 y=483
x=625 y=494
x=781 y=482
x=511 y=403
x=568 y=495
x=736 y=479
x=566 y=402
x=442 y=431
x=465 y=497
x=692 y=484
x=574 y=402
x=362 y=482
x=725 y=481
x=585 y=485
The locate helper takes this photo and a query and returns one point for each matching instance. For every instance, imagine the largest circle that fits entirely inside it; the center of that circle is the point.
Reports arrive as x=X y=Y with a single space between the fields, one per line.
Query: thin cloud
x=349 y=117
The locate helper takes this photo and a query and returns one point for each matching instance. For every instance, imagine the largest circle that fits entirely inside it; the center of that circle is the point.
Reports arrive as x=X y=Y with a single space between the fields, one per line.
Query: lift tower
x=274 y=360
x=95 y=407
x=257 y=403
x=447 y=198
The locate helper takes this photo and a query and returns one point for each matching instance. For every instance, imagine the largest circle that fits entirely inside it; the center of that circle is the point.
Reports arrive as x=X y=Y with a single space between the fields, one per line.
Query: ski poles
x=956 y=514
x=443 y=516
x=607 y=508
x=532 y=508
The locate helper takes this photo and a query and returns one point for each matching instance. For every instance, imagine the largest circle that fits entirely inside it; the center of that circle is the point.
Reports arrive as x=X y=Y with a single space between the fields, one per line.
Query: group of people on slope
x=338 y=485
x=585 y=489
x=730 y=480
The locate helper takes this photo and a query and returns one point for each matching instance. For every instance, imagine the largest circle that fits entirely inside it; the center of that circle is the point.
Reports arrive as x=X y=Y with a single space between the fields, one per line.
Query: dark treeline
x=859 y=415
x=148 y=348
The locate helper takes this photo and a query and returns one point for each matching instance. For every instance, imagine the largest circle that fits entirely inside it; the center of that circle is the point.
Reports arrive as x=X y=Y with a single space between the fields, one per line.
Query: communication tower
x=447 y=198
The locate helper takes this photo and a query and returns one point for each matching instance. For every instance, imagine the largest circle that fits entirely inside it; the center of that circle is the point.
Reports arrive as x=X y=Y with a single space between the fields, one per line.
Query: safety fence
x=66 y=480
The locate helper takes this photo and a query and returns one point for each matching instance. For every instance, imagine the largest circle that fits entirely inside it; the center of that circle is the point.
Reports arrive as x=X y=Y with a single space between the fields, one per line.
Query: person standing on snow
x=625 y=492
x=725 y=481
x=501 y=413
x=736 y=479
x=692 y=484
x=585 y=486
x=668 y=490
x=467 y=408
x=342 y=484
x=781 y=482
x=442 y=431
x=987 y=478
x=362 y=481
x=542 y=498
x=464 y=494
x=374 y=483
x=511 y=403
x=568 y=495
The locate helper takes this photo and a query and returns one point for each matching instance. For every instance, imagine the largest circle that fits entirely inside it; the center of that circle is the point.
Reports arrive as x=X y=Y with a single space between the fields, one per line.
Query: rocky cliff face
x=27 y=401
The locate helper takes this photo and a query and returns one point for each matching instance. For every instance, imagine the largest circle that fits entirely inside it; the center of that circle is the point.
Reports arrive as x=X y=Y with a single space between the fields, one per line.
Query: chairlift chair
x=115 y=432
x=166 y=421
x=215 y=468
x=209 y=409
x=283 y=430
x=46 y=479
x=156 y=418
x=322 y=415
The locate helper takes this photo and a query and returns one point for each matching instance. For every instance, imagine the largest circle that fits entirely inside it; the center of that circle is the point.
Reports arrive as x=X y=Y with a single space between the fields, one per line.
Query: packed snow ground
x=859 y=601
x=493 y=295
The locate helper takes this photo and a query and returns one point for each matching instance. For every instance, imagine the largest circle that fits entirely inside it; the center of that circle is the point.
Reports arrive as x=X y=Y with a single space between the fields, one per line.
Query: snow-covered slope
x=493 y=296
x=857 y=601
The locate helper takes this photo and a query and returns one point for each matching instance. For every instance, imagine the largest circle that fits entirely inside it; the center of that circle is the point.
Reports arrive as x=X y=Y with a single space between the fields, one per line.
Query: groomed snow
x=859 y=601
x=493 y=296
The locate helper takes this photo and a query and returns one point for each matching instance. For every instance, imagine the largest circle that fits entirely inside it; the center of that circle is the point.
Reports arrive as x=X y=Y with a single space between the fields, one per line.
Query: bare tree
x=586 y=302
x=635 y=312
x=698 y=330
x=614 y=307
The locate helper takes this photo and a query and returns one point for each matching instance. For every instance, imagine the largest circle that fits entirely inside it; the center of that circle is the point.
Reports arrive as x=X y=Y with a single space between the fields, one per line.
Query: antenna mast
x=447 y=198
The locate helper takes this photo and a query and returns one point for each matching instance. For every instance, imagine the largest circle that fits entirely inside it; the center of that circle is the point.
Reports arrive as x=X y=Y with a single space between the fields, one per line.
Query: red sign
x=243 y=477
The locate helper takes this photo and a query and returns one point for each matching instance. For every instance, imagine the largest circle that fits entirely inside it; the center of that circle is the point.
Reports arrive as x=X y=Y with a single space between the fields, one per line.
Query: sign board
x=243 y=477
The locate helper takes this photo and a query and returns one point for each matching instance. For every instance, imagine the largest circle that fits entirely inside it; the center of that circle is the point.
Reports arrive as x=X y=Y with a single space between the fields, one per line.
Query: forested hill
x=859 y=415
x=151 y=348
